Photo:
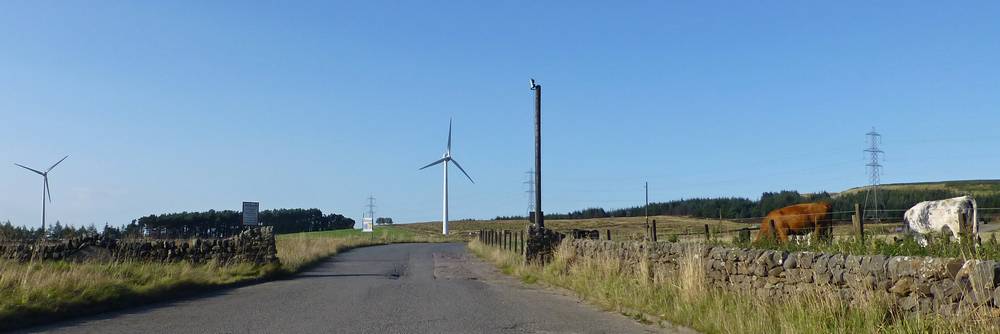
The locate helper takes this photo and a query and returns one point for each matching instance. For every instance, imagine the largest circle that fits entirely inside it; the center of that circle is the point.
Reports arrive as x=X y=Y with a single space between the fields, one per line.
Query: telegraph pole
x=539 y=217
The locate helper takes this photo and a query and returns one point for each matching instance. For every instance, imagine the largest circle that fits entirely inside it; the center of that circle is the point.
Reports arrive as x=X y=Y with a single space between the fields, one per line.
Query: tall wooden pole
x=539 y=217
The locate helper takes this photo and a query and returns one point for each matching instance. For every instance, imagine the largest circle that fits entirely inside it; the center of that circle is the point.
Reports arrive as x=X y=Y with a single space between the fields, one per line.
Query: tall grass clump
x=681 y=297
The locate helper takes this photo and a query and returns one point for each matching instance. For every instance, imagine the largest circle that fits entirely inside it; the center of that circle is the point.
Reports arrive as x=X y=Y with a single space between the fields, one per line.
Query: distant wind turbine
x=45 y=185
x=446 y=159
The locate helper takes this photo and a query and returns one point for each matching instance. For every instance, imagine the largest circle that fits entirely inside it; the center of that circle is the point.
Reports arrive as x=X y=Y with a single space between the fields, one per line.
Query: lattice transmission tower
x=371 y=207
x=874 y=166
x=530 y=183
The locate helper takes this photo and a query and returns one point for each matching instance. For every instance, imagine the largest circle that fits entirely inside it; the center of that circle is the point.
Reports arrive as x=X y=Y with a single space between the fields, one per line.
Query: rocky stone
x=805 y=260
x=790 y=262
x=252 y=246
x=908 y=303
x=977 y=278
x=902 y=286
x=919 y=284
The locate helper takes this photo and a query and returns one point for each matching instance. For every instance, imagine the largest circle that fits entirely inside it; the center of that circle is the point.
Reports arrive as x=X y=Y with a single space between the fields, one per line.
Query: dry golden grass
x=681 y=298
x=301 y=249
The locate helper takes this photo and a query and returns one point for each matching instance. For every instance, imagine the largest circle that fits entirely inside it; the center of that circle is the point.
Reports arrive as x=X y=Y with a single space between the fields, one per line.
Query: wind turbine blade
x=449 y=135
x=47 y=191
x=22 y=166
x=434 y=163
x=463 y=170
x=57 y=163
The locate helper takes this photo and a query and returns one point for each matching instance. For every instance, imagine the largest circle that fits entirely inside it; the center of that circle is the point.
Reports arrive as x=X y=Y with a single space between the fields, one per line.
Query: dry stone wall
x=946 y=286
x=251 y=246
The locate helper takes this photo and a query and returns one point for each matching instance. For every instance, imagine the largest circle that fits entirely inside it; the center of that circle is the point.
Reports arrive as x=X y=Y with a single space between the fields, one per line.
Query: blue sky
x=178 y=106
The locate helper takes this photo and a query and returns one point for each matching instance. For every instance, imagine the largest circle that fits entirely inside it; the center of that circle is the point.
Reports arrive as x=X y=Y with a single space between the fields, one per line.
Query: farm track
x=402 y=288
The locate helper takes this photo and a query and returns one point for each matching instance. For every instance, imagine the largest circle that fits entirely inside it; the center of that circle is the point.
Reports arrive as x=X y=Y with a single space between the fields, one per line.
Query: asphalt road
x=404 y=288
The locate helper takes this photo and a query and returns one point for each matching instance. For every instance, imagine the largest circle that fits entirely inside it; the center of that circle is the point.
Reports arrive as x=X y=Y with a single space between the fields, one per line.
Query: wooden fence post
x=520 y=242
x=859 y=222
x=524 y=242
x=707 y=236
x=609 y=234
x=745 y=235
x=654 y=230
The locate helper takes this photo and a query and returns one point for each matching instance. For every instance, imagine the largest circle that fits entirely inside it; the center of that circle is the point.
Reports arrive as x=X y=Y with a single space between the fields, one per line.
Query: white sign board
x=250 y=213
x=367 y=225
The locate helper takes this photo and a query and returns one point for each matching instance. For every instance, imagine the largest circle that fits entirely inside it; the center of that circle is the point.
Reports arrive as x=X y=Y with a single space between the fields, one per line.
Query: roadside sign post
x=251 y=213
x=367 y=225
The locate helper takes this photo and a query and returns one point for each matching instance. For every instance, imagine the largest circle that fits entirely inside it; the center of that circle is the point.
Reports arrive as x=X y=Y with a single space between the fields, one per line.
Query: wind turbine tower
x=446 y=159
x=45 y=186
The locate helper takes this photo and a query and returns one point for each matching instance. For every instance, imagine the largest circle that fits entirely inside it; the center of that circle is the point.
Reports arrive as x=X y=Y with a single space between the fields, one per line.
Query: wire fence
x=877 y=227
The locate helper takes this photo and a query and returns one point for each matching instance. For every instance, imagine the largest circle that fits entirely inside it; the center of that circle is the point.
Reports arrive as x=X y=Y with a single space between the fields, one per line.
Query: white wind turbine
x=446 y=159
x=45 y=186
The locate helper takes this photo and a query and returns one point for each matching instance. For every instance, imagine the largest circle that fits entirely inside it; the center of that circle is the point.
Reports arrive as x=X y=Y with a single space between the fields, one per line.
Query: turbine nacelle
x=447 y=157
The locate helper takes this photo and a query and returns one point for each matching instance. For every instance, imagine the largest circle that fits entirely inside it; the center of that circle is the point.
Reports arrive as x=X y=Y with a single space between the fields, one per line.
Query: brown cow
x=798 y=219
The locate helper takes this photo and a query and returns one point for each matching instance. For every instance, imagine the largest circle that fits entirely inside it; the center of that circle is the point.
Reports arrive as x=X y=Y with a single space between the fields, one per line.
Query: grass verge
x=681 y=298
x=45 y=292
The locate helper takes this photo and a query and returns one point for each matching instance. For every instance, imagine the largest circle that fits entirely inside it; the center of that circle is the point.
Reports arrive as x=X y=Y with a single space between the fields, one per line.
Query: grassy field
x=42 y=292
x=622 y=228
x=881 y=238
x=975 y=187
x=681 y=298
x=627 y=228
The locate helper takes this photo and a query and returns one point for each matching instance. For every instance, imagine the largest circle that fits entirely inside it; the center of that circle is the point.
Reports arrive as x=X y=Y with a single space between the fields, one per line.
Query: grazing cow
x=933 y=216
x=798 y=219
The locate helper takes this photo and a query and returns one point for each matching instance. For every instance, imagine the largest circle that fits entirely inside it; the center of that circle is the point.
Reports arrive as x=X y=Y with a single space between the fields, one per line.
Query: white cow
x=932 y=216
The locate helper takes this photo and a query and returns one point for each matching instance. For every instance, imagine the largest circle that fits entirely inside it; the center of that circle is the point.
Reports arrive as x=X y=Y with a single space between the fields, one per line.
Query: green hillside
x=973 y=187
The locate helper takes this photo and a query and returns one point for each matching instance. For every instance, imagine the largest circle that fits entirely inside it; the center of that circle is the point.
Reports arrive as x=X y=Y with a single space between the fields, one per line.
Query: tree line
x=227 y=222
x=207 y=224
x=892 y=205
